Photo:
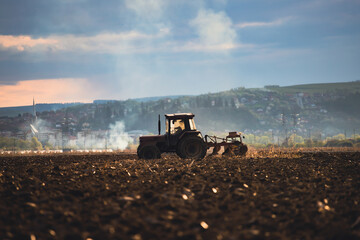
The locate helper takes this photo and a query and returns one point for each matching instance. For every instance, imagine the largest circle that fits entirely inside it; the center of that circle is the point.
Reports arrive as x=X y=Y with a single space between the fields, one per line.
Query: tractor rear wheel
x=148 y=152
x=191 y=147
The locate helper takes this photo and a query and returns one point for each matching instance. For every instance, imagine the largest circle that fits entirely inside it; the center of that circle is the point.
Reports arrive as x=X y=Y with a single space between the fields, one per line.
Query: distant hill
x=144 y=99
x=40 y=107
x=148 y=99
x=351 y=87
x=328 y=108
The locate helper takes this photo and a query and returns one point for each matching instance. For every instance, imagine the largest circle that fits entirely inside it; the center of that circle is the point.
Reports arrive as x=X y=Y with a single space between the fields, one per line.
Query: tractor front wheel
x=191 y=147
x=242 y=150
x=236 y=149
x=148 y=152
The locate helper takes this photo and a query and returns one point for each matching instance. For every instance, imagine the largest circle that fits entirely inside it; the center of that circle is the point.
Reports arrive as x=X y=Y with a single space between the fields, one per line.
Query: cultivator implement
x=232 y=144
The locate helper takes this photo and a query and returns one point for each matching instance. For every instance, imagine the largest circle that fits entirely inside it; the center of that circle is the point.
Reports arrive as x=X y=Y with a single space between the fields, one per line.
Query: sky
x=82 y=50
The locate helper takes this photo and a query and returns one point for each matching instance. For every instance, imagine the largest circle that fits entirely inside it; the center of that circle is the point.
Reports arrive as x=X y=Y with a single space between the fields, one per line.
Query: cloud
x=22 y=42
x=103 y=43
x=128 y=42
x=199 y=47
x=223 y=2
x=323 y=3
x=277 y=22
x=48 y=90
x=148 y=9
x=214 y=30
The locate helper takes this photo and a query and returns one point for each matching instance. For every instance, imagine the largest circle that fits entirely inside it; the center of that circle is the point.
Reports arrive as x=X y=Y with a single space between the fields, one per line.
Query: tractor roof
x=179 y=115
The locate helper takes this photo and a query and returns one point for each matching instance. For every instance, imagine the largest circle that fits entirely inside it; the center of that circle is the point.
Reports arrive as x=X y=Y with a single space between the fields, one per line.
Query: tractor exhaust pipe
x=159 y=125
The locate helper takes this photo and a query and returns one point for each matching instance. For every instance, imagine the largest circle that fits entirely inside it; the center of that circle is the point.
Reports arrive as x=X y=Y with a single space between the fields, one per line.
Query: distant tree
x=232 y=103
x=22 y=144
x=250 y=138
x=295 y=139
x=36 y=144
x=48 y=146
x=143 y=108
x=265 y=140
x=313 y=143
x=108 y=113
x=339 y=137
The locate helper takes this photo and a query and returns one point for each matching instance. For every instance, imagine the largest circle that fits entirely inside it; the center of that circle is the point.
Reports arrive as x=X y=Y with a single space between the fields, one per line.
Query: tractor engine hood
x=155 y=138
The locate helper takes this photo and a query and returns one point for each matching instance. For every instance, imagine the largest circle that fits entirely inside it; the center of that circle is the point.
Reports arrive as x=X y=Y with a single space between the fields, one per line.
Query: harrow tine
x=216 y=150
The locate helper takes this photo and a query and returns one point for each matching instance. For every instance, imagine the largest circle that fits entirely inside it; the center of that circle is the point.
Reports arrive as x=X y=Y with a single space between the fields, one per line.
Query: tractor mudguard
x=190 y=133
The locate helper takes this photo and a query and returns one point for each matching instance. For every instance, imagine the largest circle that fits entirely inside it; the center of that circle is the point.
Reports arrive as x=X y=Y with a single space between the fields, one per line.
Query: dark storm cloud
x=45 y=17
x=21 y=67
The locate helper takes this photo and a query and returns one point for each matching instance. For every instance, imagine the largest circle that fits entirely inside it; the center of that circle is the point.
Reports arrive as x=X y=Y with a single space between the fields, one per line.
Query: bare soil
x=117 y=196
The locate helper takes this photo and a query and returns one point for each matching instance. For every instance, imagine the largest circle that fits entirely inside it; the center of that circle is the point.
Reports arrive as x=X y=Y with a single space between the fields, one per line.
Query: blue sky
x=80 y=50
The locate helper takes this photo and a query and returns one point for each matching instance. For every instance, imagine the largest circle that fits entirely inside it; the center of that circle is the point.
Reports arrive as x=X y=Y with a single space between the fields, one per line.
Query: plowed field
x=116 y=196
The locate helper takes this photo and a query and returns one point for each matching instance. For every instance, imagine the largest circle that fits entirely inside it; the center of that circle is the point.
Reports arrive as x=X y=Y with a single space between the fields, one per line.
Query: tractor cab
x=177 y=125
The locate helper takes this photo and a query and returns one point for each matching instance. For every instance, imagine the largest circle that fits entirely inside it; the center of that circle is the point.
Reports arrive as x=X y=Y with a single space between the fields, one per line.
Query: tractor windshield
x=167 y=125
x=192 y=124
x=177 y=126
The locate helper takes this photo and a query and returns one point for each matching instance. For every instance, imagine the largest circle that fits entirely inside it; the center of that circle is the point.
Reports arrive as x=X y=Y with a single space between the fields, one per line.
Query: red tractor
x=182 y=138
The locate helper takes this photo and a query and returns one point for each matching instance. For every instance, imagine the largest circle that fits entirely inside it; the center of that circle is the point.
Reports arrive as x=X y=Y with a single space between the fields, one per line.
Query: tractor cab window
x=192 y=124
x=176 y=126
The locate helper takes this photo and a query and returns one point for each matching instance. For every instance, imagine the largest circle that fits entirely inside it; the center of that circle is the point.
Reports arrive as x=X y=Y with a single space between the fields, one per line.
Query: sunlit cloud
x=277 y=22
x=214 y=30
x=21 y=42
x=48 y=91
x=104 y=42
x=198 y=47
